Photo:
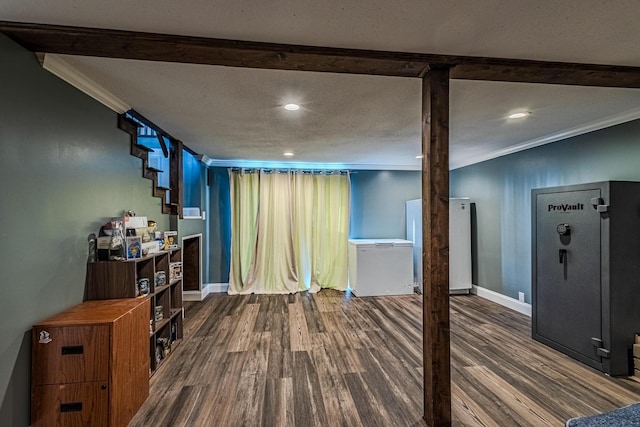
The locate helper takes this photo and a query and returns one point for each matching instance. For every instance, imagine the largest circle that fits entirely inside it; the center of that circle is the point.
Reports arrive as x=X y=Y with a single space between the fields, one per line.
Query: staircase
x=173 y=207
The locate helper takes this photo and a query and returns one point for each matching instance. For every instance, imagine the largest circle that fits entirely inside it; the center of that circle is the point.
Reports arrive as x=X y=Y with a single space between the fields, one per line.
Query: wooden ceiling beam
x=247 y=54
x=209 y=51
x=506 y=70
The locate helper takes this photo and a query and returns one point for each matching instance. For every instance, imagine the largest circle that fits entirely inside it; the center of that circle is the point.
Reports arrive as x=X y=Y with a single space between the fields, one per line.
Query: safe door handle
x=562 y=253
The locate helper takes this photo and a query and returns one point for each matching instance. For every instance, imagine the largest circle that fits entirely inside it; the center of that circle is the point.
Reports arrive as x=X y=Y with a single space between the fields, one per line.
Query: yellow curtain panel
x=289 y=231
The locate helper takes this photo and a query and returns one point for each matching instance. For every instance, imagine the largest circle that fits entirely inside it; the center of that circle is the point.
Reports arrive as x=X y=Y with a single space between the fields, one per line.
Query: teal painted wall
x=501 y=190
x=65 y=168
x=378 y=203
x=194 y=178
x=219 y=225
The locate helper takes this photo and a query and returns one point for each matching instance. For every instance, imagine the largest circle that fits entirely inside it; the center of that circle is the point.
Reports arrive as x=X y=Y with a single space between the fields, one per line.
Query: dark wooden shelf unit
x=118 y=279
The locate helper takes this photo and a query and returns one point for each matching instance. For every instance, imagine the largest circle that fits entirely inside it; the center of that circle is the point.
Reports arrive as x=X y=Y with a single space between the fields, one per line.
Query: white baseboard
x=218 y=288
x=207 y=289
x=193 y=295
x=512 y=303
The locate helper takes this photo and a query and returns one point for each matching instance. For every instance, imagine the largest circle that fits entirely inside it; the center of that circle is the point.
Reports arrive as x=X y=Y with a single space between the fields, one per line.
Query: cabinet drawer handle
x=72 y=349
x=71 y=407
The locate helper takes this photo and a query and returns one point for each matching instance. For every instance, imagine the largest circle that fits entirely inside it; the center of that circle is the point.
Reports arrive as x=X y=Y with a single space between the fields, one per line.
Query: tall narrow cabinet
x=90 y=365
x=121 y=279
x=460 y=260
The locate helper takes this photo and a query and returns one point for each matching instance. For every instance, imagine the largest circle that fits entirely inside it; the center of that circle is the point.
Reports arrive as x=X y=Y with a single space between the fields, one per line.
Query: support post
x=175 y=177
x=435 y=255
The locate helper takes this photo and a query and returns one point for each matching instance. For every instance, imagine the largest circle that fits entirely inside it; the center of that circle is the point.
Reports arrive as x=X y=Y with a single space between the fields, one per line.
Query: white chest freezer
x=379 y=267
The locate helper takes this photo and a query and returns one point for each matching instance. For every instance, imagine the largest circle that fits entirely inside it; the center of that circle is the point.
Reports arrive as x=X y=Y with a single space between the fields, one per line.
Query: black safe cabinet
x=586 y=272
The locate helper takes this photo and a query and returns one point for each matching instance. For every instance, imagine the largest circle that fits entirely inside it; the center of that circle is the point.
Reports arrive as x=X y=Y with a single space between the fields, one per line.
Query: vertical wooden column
x=175 y=177
x=435 y=255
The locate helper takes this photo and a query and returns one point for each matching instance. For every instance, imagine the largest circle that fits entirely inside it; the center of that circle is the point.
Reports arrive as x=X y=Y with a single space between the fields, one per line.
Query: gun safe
x=586 y=272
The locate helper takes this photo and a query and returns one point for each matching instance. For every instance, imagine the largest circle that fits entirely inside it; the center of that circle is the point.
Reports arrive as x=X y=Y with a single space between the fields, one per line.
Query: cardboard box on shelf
x=636 y=357
x=175 y=271
x=170 y=240
x=135 y=221
x=150 y=247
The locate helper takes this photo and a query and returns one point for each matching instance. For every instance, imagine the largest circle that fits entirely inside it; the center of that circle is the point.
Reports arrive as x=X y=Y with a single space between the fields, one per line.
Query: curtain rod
x=291 y=170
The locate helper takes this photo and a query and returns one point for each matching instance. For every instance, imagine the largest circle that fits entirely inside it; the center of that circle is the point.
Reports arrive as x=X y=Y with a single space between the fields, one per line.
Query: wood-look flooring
x=332 y=359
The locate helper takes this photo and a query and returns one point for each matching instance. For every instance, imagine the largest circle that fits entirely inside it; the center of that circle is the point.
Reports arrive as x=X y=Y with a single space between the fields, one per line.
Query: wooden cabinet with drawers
x=90 y=364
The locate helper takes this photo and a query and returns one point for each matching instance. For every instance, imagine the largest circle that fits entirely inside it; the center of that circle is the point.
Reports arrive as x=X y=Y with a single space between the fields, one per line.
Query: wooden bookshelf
x=120 y=279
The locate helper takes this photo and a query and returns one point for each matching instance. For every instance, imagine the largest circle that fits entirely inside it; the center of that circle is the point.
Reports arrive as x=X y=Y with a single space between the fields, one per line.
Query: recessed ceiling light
x=292 y=107
x=519 y=115
x=288 y=154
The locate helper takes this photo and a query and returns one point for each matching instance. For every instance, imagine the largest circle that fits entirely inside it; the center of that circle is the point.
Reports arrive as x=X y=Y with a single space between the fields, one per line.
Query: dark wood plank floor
x=330 y=359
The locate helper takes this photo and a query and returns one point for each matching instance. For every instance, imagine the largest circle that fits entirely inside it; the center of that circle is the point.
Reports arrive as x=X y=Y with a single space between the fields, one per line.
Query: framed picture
x=134 y=247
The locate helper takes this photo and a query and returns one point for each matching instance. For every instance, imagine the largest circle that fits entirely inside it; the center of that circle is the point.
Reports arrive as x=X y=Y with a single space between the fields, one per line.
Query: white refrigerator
x=379 y=267
x=459 y=242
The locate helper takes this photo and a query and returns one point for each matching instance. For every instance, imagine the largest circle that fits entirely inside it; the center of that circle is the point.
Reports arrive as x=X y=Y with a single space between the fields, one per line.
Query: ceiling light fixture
x=288 y=154
x=519 y=115
x=292 y=107
x=419 y=156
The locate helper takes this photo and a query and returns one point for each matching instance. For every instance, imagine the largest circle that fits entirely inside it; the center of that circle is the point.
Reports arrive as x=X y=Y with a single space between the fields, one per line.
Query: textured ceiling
x=231 y=114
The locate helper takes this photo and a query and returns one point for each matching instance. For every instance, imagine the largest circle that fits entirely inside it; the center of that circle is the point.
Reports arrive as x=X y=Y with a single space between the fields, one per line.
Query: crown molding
x=306 y=165
x=599 y=124
x=62 y=69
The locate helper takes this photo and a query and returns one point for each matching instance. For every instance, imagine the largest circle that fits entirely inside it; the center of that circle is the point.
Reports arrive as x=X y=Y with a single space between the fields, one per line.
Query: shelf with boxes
x=636 y=358
x=157 y=276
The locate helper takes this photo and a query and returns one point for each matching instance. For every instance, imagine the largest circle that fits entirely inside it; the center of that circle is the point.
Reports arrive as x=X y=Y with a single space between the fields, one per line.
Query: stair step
x=152 y=169
x=128 y=125
x=160 y=192
x=175 y=209
x=171 y=208
x=144 y=148
x=166 y=209
x=150 y=174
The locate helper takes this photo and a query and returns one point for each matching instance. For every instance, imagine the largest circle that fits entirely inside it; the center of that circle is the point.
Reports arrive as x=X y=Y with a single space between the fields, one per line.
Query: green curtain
x=289 y=231
x=244 y=223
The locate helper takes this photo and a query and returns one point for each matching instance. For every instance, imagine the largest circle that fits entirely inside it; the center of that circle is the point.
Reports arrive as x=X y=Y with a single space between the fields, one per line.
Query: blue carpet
x=628 y=416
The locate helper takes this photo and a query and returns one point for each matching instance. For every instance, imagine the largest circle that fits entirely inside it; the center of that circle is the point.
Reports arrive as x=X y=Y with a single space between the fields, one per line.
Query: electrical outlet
x=521 y=296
